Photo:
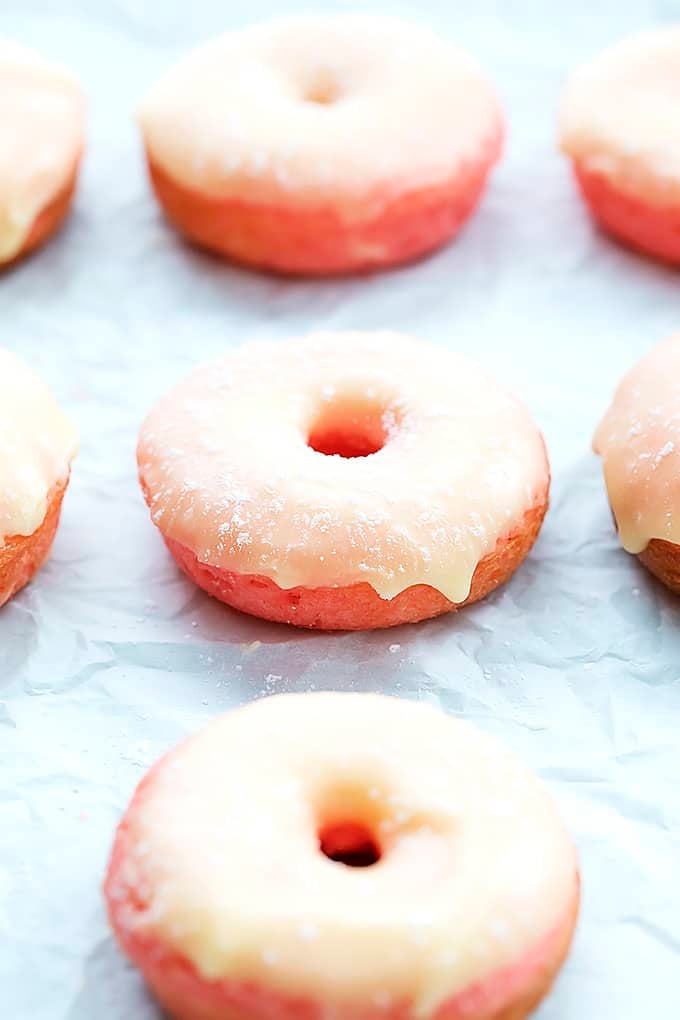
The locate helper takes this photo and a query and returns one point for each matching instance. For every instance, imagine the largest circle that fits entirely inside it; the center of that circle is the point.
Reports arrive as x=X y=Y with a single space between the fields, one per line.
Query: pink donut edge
x=653 y=230
x=317 y=241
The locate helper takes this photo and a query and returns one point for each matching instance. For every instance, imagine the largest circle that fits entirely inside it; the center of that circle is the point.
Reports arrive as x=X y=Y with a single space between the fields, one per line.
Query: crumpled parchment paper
x=111 y=656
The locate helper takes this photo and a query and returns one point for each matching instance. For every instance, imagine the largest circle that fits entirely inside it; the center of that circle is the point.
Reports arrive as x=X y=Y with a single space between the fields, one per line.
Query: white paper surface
x=111 y=656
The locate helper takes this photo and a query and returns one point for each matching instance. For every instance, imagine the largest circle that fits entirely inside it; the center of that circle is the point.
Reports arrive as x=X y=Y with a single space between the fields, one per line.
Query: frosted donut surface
x=619 y=116
x=226 y=465
x=37 y=444
x=42 y=114
x=639 y=442
x=307 y=110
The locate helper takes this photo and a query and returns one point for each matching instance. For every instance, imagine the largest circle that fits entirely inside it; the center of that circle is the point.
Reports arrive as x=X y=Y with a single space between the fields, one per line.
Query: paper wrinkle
x=111 y=656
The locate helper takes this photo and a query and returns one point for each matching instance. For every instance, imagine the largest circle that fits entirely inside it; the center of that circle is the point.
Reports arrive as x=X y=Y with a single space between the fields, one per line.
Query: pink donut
x=617 y=124
x=42 y=112
x=360 y=857
x=344 y=480
x=37 y=445
x=639 y=442
x=322 y=144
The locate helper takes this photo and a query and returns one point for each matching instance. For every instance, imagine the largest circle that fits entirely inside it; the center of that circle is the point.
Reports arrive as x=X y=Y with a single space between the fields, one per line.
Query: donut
x=42 y=112
x=344 y=481
x=639 y=442
x=618 y=120
x=360 y=857
x=321 y=144
x=37 y=444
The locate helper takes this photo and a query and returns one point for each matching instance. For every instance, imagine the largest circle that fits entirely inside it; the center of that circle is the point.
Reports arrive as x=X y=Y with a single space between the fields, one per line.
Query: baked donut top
x=231 y=466
x=221 y=855
x=341 y=109
x=37 y=444
x=639 y=441
x=42 y=118
x=619 y=115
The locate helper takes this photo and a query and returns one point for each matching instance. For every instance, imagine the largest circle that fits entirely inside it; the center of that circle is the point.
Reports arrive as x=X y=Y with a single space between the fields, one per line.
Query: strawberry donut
x=361 y=858
x=37 y=444
x=322 y=144
x=344 y=480
x=639 y=442
x=42 y=113
x=618 y=125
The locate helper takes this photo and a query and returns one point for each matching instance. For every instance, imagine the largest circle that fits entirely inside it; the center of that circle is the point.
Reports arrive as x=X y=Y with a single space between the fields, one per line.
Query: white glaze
x=229 y=474
x=231 y=118
x=37 y=444
x=619 y=115
x=42 y=115
x=476 y=867
x=639 y=441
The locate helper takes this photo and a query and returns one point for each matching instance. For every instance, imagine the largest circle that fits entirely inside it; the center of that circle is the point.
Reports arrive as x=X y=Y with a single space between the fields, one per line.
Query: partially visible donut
x=347 y=856
x=37 y=444
x=322 y=144
x=618 y=123
x=344 y=481
x=42 y=111
x=639 y=442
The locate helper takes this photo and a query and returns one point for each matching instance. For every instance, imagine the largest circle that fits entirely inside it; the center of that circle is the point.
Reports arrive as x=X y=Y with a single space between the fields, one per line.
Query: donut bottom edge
x=357 y=606
x=316 y=241
x=653 y=230
x=21 y=556
x=510 y=993
x=662 y=559
x=48 y=220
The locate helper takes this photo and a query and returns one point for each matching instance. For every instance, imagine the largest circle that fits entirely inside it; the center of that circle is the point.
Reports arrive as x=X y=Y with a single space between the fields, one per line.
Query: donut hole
x=322 y=89
x=349 y=428
x=350 y=843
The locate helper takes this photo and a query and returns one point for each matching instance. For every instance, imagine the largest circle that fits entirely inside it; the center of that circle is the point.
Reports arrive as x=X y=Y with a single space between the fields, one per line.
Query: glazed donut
x=639 y=442
x=42 y=112
x=37 y=444
x=321 y=144
x=618 y=121
x=361 y=857
x=344 y=480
